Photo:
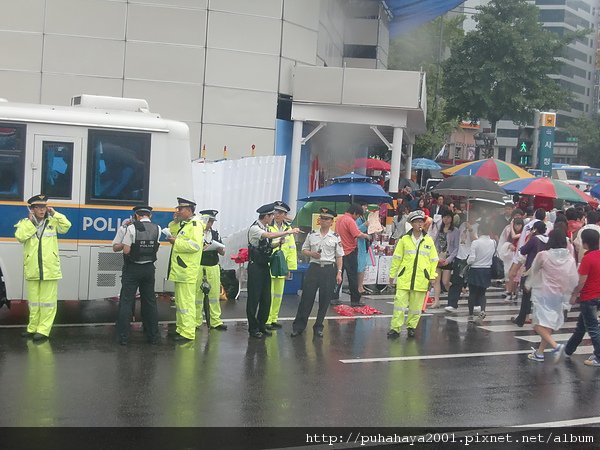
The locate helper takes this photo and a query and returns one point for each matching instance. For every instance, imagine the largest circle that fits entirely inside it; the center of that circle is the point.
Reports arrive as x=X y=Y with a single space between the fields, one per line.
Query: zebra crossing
x=498 y=320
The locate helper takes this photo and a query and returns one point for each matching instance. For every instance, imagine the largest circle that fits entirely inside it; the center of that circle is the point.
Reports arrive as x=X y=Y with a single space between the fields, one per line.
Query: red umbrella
x=548 y=187
x=372 y=164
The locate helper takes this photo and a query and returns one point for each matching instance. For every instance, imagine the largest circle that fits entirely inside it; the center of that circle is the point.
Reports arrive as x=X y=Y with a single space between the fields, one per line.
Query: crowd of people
x=550 y=259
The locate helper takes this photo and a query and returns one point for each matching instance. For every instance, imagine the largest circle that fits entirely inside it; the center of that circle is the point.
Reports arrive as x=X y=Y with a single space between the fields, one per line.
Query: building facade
x=224 y=67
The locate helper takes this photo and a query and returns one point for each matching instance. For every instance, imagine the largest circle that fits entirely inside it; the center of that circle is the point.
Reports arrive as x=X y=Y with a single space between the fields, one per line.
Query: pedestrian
x=501 y=221
x=587 y=293
x=208 y=284
x=552 y=278
x=593 y=223
x=467 y=233
x=259 y=275
x=41 y=263
x=414 y=264
x=536 y=242
x=446 y=244
x=507 y=247
x=324 y=248
x=363 y=248
x=400 y=226
x=140 y=244
x=186 y=234
x=287 y=245
x=480 y=272
x=349 y=233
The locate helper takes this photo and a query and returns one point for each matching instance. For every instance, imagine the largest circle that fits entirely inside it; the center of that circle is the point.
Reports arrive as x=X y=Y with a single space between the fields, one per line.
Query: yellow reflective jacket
x=288 y=246
x=413 y=266
x=186 y=253
x=41 y=260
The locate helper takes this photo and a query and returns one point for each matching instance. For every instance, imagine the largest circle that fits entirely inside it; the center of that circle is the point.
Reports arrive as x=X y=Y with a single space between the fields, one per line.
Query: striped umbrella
x=492 y=169
x=547 y=187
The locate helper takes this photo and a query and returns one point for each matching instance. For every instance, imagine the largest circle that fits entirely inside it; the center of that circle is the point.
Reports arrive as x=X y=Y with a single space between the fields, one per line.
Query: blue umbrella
x=349 y=192
x=425 y=164
x=353 y=177
x=595 y=191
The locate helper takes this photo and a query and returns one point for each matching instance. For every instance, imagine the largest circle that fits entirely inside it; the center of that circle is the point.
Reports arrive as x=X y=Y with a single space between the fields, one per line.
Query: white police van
x=95 y=160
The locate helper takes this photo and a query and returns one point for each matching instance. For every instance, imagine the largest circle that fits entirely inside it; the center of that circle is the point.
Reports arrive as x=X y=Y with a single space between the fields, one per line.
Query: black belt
x=324 y=263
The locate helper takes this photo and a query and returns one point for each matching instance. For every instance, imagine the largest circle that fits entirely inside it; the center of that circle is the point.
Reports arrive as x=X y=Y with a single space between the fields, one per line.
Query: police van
x=95 y=160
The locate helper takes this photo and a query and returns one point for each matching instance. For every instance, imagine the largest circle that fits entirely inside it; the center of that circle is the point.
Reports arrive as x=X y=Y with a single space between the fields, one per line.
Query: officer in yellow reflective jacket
x=287 y=245
x=414 y=263
x=187 y=237
x=210 y=272
x=38 y=234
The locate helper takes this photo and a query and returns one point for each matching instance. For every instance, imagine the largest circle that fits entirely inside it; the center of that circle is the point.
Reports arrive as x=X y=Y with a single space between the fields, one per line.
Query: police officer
x=38 y=234
x=187 y=237
x=325 y=270
x=287 y=245
x=210 y=276
x=140 y=244
x=259 y=275
x=414 y=263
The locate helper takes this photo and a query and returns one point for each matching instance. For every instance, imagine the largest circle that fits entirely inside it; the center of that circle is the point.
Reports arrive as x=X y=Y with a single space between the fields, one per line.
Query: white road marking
x=528 y=326
x=442 y=356
x=562 y=423
x=494 y=318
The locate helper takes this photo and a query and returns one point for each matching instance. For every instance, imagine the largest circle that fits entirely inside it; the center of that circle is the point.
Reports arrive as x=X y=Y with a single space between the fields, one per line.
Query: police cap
x=281 y=206
x=39 y=199
x=326 y=212
x=266 y=209
x=142 y=209
x=209 y=213
x=183 y=203
x=416 y=215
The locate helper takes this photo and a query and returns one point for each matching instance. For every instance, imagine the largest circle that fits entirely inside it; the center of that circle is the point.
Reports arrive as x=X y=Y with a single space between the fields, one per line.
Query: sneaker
x=410 y=332
x=477 y=309
x=505 y=294
x=450 y=309
x=534 y=356
x=592 y=361
x=482 y=315
x=558 y=353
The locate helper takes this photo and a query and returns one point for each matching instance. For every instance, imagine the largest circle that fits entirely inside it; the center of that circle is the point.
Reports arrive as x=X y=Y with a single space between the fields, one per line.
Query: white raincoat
x=552 y=278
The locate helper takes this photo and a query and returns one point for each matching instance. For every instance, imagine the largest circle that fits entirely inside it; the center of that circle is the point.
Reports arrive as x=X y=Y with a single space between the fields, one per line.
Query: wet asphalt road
x=82 y=378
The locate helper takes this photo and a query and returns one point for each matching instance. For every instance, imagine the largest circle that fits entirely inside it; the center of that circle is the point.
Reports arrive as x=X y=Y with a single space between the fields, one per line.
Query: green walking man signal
x=523 y=148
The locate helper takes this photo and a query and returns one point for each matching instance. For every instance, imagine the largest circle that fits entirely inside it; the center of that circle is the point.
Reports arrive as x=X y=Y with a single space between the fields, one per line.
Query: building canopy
x=409 y=14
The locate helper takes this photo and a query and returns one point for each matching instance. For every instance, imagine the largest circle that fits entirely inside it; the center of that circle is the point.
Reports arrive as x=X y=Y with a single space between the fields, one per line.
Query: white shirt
x=129 y=237
x=255 y=233
x=482 y=252
x=330 y=246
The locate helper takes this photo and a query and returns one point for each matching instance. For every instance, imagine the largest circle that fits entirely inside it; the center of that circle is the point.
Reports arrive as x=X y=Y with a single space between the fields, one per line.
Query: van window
x=118 y=167
x=12 y=159
x=57 y=169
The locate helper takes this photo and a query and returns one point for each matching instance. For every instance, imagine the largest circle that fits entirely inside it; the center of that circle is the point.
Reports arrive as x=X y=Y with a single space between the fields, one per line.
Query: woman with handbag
x=446 y=244
x=480 y=269
x=507 y=248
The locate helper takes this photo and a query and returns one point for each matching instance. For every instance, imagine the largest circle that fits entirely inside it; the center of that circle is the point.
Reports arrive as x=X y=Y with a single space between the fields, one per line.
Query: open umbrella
x=424 y=164
x=595 y=191
x=353 y=177
x=349 y=192
x=470 y=187
x=492 y=169
x=372 y=164
x=549 y=188
x=304 y=215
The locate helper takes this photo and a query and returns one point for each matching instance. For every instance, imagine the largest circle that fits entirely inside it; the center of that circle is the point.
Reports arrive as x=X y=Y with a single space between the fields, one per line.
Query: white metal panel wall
x=236 y=188
x=239 y=141
x=20 y=51
x=92 y=18
x=56 y=88
x=265 y=8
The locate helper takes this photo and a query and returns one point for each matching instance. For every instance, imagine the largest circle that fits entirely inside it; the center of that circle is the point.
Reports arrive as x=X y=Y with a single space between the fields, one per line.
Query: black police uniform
x=138 y=272
x=258 y=305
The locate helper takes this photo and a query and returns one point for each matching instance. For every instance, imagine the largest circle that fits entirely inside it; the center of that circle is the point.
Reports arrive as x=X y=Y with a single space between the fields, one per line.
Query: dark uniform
x=321 y=276
x=138 y=272
x=259 y=276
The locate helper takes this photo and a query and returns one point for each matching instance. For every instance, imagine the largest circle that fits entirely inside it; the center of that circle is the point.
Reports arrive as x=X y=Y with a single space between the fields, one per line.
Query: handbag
x=278 y=264
x=497 y=266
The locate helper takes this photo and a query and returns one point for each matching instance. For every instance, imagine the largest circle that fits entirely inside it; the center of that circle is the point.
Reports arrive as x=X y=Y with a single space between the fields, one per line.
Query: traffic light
x=524 y=150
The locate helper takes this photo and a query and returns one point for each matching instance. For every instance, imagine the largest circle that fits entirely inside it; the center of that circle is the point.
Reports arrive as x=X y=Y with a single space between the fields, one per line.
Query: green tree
x=424 y=49
x=500 y=69
x=587 y=132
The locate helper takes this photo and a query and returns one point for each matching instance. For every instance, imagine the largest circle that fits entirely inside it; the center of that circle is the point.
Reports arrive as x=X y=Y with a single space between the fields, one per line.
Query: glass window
x=118 y=167
x=57 y=169
x=12 y=159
